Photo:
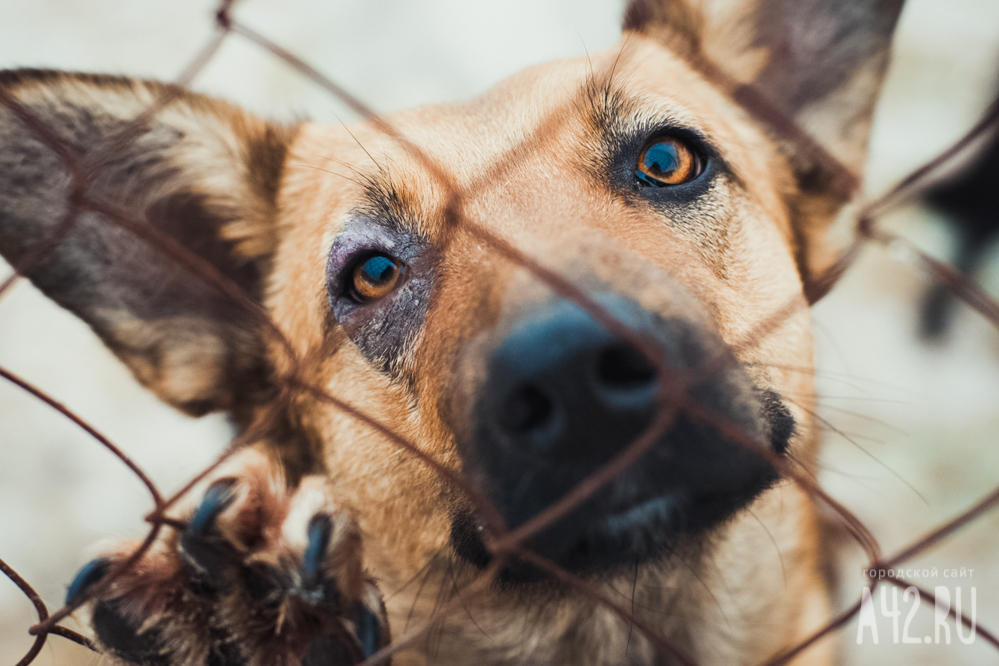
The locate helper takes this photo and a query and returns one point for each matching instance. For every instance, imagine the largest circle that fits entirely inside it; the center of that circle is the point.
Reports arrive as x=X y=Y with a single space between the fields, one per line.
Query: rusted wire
x=43 y=612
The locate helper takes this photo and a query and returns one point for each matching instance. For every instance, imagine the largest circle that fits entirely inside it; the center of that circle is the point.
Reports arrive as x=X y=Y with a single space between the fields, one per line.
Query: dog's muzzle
x=561 y=397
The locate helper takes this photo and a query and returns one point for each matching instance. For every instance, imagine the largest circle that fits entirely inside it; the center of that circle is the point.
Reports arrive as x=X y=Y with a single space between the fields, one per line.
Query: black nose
x=562 y=388
x=560 y=396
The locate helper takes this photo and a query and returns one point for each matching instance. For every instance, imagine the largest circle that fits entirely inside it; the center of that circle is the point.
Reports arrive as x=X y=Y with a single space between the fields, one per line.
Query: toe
x=121 y=634
x=208 y=557
x=92 y=573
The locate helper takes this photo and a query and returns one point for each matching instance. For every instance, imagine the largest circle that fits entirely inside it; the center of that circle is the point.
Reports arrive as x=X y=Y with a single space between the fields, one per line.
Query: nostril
x=526 y=409
x=622 y=367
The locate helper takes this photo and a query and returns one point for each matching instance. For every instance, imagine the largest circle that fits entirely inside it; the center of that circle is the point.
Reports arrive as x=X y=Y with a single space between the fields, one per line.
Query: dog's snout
x=562 y=387
x=561 y=394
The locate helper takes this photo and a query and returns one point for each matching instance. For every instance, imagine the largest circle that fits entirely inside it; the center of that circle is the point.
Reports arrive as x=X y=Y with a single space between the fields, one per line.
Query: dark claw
x=218 y=498
x=120 y=634
x=91 y=573
x=320 y=529
x=316 y=589
x=369 y=631
x=208 y=557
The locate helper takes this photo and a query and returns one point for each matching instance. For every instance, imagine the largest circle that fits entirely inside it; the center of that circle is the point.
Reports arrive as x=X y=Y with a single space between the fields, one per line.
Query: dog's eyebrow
x=387 y=205
x=605 y=104
x=617 y=115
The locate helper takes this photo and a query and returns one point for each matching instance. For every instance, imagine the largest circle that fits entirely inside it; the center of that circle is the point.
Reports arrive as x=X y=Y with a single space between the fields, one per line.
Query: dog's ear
x=198 y=172
x=810 y=70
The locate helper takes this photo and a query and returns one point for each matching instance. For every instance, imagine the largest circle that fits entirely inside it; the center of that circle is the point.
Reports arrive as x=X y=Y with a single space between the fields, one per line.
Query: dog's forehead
x=529 y=162
x=533 y=132
x=635 y=80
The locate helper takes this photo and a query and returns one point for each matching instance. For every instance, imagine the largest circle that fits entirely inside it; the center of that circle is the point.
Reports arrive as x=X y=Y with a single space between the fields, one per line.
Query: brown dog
x=572 y=308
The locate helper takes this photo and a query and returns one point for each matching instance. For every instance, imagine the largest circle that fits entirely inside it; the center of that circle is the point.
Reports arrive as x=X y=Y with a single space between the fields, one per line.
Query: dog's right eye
x=374 y=277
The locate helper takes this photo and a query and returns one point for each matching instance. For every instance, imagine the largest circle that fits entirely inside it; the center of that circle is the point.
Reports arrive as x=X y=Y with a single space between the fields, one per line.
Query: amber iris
x=666 y=161
x=375 y=277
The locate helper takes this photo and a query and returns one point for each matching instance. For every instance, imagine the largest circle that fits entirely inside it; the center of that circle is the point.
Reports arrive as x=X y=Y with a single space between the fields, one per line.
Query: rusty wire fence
x=506 y=544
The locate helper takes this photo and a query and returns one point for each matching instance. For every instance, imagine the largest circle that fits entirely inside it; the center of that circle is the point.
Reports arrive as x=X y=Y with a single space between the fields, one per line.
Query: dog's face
x=647 y=192
x=485 y=366
x=597 y=265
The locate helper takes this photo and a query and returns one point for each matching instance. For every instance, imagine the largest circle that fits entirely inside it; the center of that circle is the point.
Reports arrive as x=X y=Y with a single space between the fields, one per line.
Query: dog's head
x=588 y=283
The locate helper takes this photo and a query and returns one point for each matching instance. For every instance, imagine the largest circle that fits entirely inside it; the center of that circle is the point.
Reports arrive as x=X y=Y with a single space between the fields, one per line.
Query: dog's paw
x=259 y=576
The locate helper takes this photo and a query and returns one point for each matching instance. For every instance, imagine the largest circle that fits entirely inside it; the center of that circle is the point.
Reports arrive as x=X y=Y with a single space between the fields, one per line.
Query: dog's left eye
x=667 y=161
x=375 y=277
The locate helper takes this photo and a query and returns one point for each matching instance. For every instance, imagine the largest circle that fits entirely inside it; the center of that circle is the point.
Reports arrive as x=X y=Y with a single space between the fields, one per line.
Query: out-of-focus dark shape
x=970 y=200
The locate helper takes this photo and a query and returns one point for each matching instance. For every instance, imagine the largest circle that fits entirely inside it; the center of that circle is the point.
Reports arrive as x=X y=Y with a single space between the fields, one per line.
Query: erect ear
x=199 y=171
x=809 y=69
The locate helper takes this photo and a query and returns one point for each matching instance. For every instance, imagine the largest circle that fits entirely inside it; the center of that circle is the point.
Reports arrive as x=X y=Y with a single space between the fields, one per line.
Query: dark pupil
x=378 y=270
x=661 y=159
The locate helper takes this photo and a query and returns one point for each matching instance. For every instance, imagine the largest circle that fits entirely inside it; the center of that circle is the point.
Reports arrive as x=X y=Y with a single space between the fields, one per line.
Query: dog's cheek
x=376 y=453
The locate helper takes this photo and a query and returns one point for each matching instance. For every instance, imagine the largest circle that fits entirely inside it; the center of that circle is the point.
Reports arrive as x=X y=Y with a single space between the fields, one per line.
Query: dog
x=968 y=200
x=518 y=380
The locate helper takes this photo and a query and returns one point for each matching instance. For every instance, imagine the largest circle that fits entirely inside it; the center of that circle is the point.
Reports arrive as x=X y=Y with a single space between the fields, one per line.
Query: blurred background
x=913 y=426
